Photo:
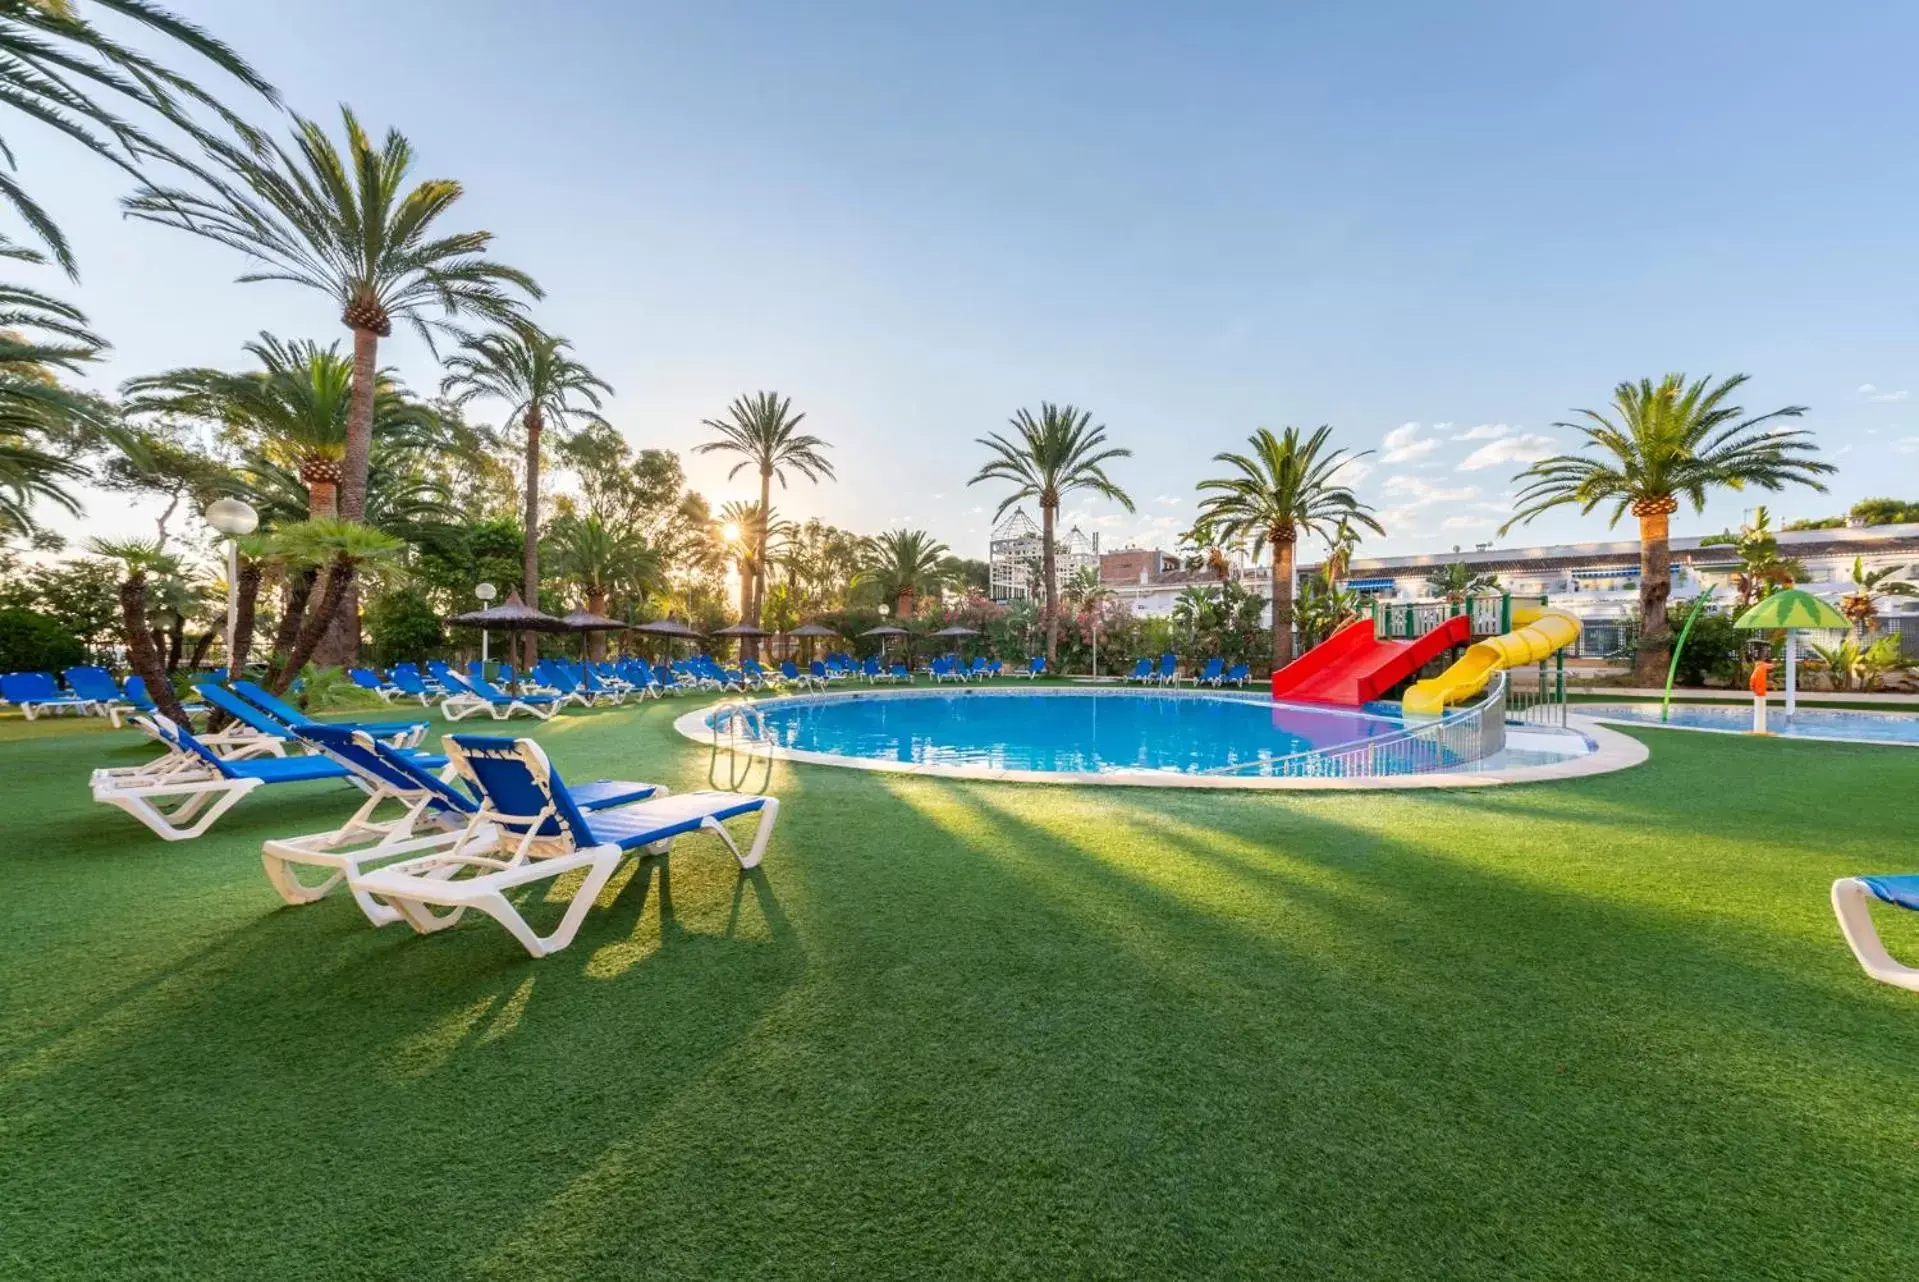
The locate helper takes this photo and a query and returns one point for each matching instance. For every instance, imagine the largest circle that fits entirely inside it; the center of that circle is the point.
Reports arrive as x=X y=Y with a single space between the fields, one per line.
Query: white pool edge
x=1602 y=718
x=1612 y=751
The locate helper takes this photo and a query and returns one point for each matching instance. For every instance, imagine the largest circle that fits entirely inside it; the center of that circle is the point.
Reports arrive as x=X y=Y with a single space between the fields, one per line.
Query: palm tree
x=1051 y=456
x=141 y=558
x=57 y=68
x=600 y=559
x=543 y=387
x=1763 y=569
x=42 y=422
x=340 y=548
x=349 y=227
x=1861 y=605
x=1455 y=581
x=1287 y=487
x=1665 y=441
x=293 y=409
x=763 y=430
x=902 y=565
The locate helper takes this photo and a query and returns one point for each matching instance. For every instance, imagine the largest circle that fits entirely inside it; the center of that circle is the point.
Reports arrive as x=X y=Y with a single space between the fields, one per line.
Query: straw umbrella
x=884 y=631
x=1791 y=610
x=809 y=631
x=669 y=631
x=743 y=629
x=956 y=632
x=511 y=615
x=589 y=621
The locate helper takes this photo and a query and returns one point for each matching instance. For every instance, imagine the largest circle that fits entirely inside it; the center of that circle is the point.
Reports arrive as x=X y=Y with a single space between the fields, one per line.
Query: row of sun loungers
x=437 y=834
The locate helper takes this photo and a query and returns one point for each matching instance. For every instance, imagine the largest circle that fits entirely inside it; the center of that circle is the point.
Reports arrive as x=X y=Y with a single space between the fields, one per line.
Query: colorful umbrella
x=1791 y=610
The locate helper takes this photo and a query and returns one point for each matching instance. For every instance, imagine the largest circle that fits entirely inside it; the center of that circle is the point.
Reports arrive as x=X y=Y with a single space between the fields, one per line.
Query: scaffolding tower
x=1017 y=551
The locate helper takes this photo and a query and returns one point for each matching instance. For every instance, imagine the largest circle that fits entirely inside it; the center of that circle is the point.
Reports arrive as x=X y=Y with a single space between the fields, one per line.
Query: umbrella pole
x=1792 y=672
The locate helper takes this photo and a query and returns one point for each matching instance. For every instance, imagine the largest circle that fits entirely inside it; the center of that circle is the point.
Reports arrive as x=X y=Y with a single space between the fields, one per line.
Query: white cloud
x=975 y=511
x=1420 y=492
x=1352 y=471
x=1170 y=500
x=1465 y=523
x=1527 y=447
x=1485 y=432
x=1872 y=393
x=1405 y=443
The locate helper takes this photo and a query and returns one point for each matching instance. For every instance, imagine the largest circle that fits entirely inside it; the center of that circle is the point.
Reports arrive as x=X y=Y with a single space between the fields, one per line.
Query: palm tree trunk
x=359 y=425
x=1655 y=586
x=299 y=590
x=596 y=641
x=1049 y=571
x=339 y=578
x=530 y=546
x=247 y=603
x=759 y=557
x=176 y=640
x=141 y=655
x=1285 y=543
x=200 y=648
x=323 y=493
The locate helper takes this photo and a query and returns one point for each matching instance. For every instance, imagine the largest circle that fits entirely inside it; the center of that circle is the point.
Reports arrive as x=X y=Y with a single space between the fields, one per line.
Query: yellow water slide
x=1541 y=631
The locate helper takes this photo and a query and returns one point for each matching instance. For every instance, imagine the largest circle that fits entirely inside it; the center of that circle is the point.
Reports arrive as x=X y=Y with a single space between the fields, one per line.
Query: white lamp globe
x=232 y=517
x=485 y=591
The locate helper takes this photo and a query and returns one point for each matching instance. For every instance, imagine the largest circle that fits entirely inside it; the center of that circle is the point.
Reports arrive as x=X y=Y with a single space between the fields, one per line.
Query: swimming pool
x=1069 y=732
x=1808 y=723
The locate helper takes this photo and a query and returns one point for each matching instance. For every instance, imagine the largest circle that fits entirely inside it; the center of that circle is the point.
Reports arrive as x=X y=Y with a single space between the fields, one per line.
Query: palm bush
x=902 y=566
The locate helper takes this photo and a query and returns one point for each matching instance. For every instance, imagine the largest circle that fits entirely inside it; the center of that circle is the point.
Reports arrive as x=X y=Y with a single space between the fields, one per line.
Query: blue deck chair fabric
x=1239 y=674
x=1142 y=671
x=410 y=684
x=36 y=692
x=405 y=733
x=95 y=684
x=1214 y=671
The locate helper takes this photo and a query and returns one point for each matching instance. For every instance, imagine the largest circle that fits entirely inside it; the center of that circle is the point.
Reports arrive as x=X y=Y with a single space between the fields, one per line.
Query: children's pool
x=1807 y=723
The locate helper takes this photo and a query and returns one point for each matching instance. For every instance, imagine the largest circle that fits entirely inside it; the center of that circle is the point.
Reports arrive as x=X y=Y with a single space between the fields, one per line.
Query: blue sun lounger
x=470 y=696
x=36 y=692
x=1852 y=903
x=432 y=815
x=182 y=796
x=404 y=734
x=546 y=833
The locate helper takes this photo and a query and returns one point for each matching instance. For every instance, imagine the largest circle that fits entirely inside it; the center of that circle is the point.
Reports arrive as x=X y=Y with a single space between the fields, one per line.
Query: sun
x=730 y=531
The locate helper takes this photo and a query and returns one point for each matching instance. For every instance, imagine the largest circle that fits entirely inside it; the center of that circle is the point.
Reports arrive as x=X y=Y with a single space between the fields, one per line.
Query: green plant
x=1288 y=486
x=403 y=626
x=1851 y=665
x=1666 y=441
x=1050 y=456
x=764 y=432
x=902 y=565
x=1763 y=569
x=1455 y=581
x=1712 y=652
x=1861 y=605
x=543 y=387
x=34 y=642
x=349 y=227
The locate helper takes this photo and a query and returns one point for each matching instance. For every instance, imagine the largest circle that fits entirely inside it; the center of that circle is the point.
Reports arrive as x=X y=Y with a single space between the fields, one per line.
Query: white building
x=1016 y=552
x=1599 y=582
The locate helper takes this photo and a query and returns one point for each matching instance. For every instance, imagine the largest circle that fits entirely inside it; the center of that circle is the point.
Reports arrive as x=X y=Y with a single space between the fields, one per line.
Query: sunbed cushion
x=667 y=817
x=1901 y=891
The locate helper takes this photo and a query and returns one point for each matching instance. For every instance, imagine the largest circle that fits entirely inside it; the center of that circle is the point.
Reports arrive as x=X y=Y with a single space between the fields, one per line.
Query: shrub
x=403 y=627
x=1713 y=650
x=32 y=642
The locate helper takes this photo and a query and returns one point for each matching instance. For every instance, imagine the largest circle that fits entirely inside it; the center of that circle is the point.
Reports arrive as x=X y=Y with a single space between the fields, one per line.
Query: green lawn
x=1600 y=1029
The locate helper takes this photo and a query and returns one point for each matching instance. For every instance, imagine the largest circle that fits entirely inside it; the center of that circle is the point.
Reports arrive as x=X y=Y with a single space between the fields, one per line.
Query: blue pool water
x=1810 y=723
x=1079 y=732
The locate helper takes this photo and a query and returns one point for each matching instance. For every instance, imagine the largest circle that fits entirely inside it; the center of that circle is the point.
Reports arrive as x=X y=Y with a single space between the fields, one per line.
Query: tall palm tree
x=349 y=227
x=543 y=387
x=1664 y=441
x=69 y=75
x=293 y=410
x=1051 y=456
x=1288 y=486
x=748 y=532
x=903 y=565
x=765 y=432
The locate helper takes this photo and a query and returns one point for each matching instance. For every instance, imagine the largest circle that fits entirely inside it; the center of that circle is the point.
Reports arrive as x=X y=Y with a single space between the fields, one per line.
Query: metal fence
x=1459 y=738
x=1544 y=703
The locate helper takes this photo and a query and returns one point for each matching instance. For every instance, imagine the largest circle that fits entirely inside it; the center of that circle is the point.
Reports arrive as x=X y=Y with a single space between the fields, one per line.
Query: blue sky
x=1438 y=228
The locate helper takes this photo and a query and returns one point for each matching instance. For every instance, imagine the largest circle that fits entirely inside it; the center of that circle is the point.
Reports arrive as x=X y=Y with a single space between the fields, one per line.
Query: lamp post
x=236 y=519
x=486 y=592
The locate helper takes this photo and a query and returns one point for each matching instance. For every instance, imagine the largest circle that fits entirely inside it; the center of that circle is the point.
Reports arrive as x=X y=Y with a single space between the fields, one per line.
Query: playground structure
x=1365 y=659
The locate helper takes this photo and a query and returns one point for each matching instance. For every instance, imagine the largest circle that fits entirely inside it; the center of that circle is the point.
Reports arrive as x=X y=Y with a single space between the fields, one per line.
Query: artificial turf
x=1601 y=1029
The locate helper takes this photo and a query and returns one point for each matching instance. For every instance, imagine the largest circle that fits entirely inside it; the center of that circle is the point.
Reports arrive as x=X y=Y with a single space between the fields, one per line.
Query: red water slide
x=1353 y=666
